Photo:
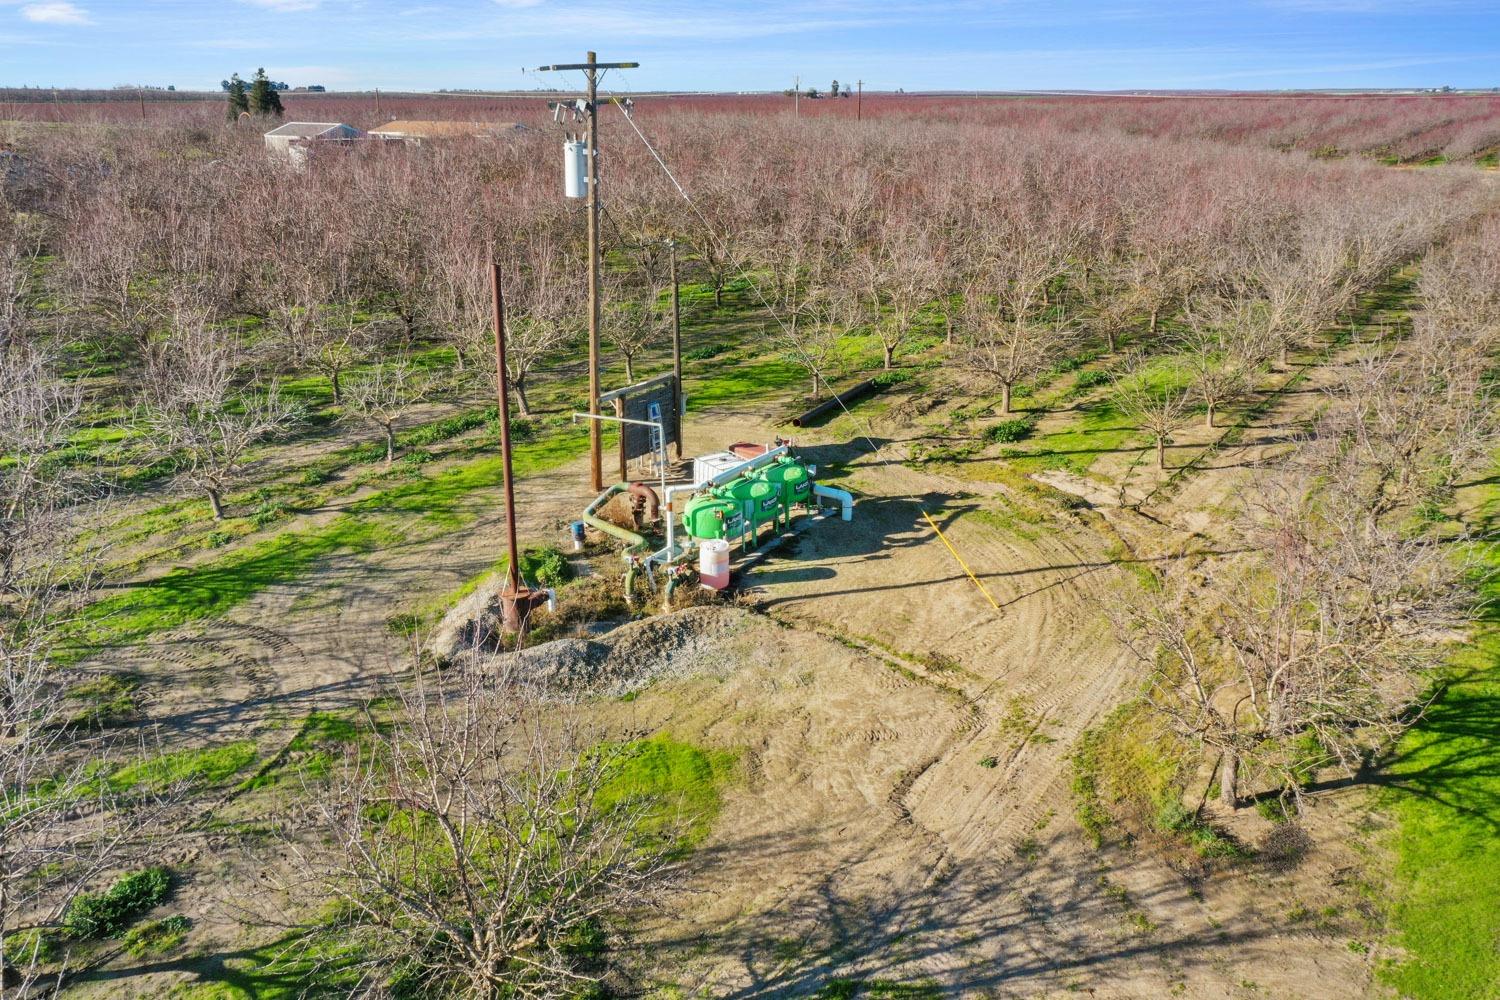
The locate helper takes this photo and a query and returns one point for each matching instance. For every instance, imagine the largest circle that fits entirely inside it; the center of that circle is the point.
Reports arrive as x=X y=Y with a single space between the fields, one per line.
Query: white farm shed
x=296 y=140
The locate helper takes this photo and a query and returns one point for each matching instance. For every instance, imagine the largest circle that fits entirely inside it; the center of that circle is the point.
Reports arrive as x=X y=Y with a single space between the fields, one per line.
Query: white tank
x=713 y=563
x=576 y=168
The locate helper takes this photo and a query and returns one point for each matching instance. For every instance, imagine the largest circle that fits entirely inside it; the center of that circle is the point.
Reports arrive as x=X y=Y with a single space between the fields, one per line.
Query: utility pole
x=859 y=100
x=502 y=386
x=591 y=67
x=676 y=352
x=516 y=601
x=377 y=102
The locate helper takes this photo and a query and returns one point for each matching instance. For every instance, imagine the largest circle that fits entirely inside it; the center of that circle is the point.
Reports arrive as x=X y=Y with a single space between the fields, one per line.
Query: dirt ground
x=904 y=813
x=870 y=842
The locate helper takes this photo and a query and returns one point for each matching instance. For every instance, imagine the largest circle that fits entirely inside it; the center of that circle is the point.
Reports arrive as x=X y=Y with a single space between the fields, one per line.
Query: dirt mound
x=692 y=641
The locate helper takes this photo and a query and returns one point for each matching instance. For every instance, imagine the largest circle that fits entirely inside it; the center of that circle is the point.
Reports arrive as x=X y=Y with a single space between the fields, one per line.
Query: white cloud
x=55 y=12
x=285 y=5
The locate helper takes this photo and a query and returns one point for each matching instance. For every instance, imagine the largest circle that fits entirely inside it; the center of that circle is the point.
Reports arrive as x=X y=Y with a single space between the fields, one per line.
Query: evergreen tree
x=263 y=97
x=237 y=101
x=833 y=91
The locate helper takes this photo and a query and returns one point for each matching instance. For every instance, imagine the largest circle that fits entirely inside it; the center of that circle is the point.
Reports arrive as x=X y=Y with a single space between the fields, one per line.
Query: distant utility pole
x=859 y=100
x=591 y=68
x=377 y=102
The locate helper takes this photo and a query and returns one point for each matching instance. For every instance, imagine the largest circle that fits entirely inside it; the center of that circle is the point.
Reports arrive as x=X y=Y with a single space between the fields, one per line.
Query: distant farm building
x=420 y=131
x=297 y=140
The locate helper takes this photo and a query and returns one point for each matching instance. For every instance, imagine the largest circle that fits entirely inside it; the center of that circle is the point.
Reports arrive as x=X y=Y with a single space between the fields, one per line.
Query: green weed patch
x=202 y=767
x=1443 y=787
x=680 y=782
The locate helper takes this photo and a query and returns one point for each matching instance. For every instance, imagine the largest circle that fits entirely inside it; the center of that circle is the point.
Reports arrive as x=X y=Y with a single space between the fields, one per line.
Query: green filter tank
x=765 y=503
x=709 y=516
x=741 y=490
x=790 y=477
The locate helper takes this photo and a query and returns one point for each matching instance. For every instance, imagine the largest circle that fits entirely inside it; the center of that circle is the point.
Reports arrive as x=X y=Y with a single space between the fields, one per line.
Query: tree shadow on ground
x=1035 y=922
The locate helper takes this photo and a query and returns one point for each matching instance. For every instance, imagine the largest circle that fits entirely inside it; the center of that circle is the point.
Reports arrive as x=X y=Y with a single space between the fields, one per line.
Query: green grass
x=680 y=781
x=201 y=767
x=1098 y=428
x=158 y=937
x=189 y=594
x=311 y=752
x=296 y=967
x=1443 y=787
x=744 y=383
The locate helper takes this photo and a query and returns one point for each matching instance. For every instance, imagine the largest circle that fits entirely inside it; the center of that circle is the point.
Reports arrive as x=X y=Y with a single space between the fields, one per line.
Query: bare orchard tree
x=20 y=246
x=1460 y=287
x=198 y=408
x=899 y=278
x=58 y=827
x=798 y=275
x=36 y=414
x=339 y=338
x=1001 y=351
x=634 y=318
x=721 y=237
x=810 y=338
x=1223 y=345
x=1148 y=394
x=381 y=394
x=543 y=309
x=1307 y=654
x=1113 y=304
x=1403 y=426
x=476 y=837
x=1164 y=626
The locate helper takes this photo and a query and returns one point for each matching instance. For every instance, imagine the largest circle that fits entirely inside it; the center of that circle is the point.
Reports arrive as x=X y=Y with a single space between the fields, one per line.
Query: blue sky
x=723 y=45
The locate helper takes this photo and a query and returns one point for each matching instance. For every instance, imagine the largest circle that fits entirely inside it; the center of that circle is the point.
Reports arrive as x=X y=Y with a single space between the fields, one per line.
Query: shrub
x=895 y=377
x=442 y=430
x=547 y=566
x=704 y=353
x=1090 y=379
x=107 y=914
x=1009 y=431
x=268 y=513
x=217 y=539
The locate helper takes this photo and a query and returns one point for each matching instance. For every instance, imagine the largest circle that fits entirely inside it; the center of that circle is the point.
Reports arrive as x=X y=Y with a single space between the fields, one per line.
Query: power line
x=712 y=233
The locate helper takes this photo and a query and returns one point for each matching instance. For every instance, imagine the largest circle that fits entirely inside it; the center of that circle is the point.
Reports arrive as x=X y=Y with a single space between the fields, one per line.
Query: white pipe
x=671 y=516
x=842 y=496
x=753 y=463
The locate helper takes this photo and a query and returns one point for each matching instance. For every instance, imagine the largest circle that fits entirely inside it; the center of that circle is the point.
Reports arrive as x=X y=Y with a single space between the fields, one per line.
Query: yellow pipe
x=960 y=559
